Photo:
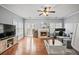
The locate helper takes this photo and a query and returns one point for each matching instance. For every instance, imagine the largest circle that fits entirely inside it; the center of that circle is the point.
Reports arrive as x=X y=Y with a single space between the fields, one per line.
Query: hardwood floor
x=27 y=46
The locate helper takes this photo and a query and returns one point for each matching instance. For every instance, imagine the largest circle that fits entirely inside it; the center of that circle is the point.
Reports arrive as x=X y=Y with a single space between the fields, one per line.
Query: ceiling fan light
x=44 y=13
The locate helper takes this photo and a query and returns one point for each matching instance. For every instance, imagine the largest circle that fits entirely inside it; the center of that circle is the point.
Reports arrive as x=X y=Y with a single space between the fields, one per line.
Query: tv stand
x=6 y=43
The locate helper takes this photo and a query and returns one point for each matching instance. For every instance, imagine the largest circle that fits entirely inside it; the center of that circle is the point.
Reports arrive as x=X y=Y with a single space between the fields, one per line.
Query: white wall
x=38 y=23
x=73 y=25
x=19 y=28
x=7 y=17
x=75 y=43
x=1 y=28
x=70 y=27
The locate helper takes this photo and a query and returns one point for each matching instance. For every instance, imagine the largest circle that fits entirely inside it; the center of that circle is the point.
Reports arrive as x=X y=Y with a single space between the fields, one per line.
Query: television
x=2 y=35
x=8 y=30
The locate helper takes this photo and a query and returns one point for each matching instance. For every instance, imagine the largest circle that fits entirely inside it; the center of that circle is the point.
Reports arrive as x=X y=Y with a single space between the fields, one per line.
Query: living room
x=25 y=30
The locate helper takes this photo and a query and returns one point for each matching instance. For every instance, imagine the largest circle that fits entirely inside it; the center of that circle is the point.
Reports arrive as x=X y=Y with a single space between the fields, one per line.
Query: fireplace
x=43 y=33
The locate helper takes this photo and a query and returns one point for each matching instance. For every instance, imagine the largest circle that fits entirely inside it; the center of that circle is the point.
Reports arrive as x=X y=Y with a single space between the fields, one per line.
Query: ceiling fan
x=45 y=11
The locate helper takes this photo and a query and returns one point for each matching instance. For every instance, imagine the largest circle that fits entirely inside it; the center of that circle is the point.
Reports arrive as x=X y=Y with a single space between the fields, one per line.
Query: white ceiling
x=30 y=10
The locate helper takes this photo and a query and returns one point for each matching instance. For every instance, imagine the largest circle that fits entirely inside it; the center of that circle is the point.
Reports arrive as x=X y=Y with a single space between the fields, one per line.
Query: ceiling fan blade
x=45 y=8
x=49 y=7
x=40 y=14
x=51 y=11
x=39 y=10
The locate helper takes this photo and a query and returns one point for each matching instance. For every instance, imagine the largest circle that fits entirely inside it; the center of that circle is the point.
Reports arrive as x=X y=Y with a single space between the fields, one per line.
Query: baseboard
x=76 y=51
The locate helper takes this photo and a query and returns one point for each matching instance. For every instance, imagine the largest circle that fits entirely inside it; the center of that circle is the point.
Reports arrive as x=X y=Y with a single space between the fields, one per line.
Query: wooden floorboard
x=27 y=46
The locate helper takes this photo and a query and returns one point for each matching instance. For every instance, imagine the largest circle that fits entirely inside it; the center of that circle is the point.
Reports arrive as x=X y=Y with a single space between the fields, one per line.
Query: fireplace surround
x=43 y=33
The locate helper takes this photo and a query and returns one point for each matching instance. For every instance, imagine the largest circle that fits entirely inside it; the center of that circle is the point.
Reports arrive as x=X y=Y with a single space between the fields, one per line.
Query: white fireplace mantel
x=43 y=30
